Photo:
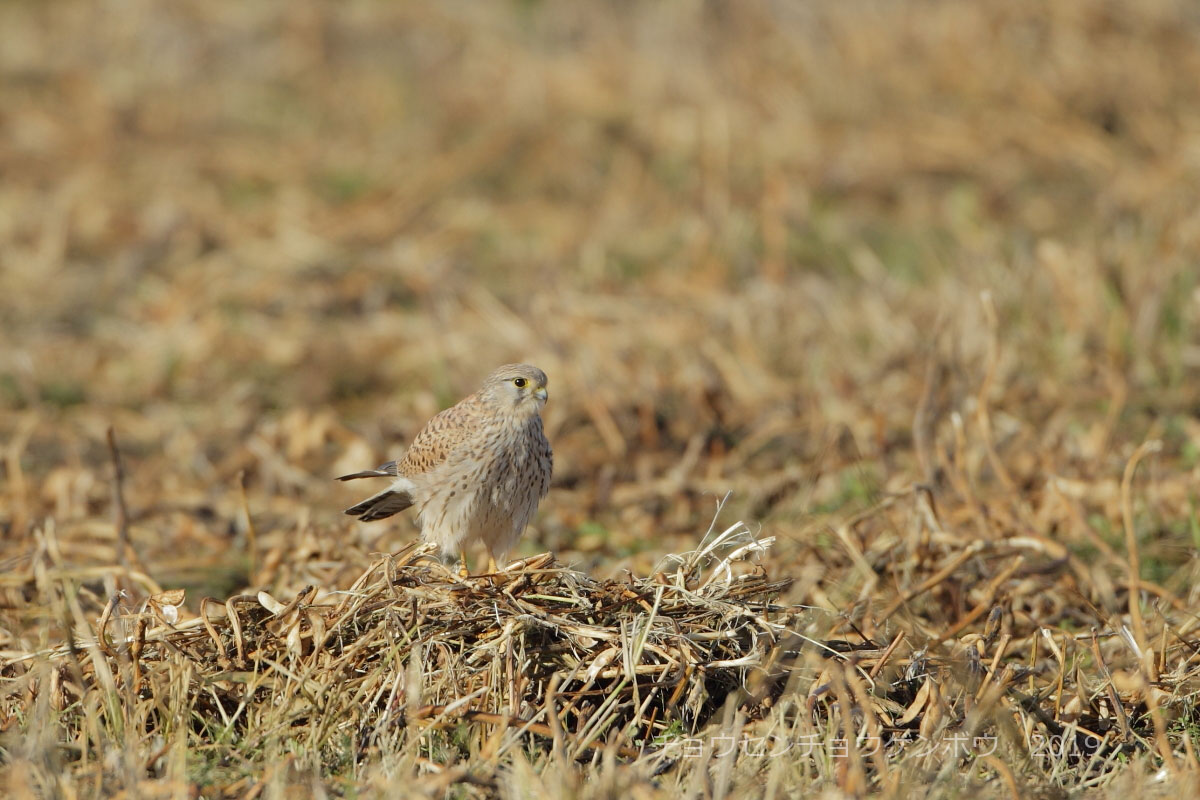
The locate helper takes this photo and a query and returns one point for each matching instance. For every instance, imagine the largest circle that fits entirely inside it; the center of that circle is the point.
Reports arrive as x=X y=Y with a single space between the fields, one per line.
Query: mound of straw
x=537 y=650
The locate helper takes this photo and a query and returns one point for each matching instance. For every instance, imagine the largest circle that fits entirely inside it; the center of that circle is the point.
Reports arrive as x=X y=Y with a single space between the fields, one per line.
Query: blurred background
x=791 y=251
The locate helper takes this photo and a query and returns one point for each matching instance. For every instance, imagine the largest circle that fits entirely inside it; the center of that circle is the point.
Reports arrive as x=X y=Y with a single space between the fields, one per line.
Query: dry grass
x=916 y=283
x=418 y=665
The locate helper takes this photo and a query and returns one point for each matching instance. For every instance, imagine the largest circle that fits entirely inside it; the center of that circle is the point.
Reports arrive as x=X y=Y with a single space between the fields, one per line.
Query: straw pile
x=537 y=649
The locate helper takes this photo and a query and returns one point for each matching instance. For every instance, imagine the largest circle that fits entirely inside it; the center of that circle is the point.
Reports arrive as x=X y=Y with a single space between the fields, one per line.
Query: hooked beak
x=541 y=394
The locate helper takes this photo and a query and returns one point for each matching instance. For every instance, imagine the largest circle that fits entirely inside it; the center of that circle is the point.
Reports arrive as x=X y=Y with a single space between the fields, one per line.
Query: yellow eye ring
x=520 y=382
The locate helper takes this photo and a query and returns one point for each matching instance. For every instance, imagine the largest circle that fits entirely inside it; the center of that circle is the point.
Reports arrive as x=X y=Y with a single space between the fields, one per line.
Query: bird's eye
x=520 y=382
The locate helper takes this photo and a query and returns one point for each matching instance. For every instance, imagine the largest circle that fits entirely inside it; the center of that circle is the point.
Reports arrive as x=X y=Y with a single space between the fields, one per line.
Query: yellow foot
x=463 y=572
x=492 y=568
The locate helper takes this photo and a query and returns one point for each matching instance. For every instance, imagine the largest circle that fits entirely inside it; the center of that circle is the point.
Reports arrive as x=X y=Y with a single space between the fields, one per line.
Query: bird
x=476 y=472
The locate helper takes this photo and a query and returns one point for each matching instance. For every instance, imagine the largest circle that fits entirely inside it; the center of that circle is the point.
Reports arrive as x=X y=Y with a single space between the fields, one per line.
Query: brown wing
x=545 y=459
x=441 y=436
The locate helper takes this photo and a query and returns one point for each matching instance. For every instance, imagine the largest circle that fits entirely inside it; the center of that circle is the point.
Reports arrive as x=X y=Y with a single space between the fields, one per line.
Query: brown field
x=916 y=285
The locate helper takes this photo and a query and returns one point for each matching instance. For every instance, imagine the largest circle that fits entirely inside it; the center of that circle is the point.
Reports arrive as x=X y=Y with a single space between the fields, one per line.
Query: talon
x=491 y=567
x=463 y=572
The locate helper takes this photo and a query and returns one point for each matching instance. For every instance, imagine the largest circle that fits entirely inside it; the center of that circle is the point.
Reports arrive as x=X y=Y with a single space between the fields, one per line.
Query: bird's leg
x=462 y=564
x=492 y=568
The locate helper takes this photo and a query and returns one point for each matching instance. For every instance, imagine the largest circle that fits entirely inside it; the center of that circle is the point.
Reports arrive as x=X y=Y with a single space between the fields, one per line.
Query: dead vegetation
x=915 y=283
x=411 y=648
x=989 y=663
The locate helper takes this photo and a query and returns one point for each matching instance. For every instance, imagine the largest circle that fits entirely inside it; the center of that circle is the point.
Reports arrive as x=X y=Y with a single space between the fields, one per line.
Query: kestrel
x=476 y=471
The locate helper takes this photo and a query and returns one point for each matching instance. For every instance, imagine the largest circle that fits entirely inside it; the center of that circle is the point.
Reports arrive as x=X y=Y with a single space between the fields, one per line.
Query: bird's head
x=518 y=388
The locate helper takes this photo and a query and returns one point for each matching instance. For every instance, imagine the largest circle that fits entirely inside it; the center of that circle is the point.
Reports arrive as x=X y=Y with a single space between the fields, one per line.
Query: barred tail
x=382 y=505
